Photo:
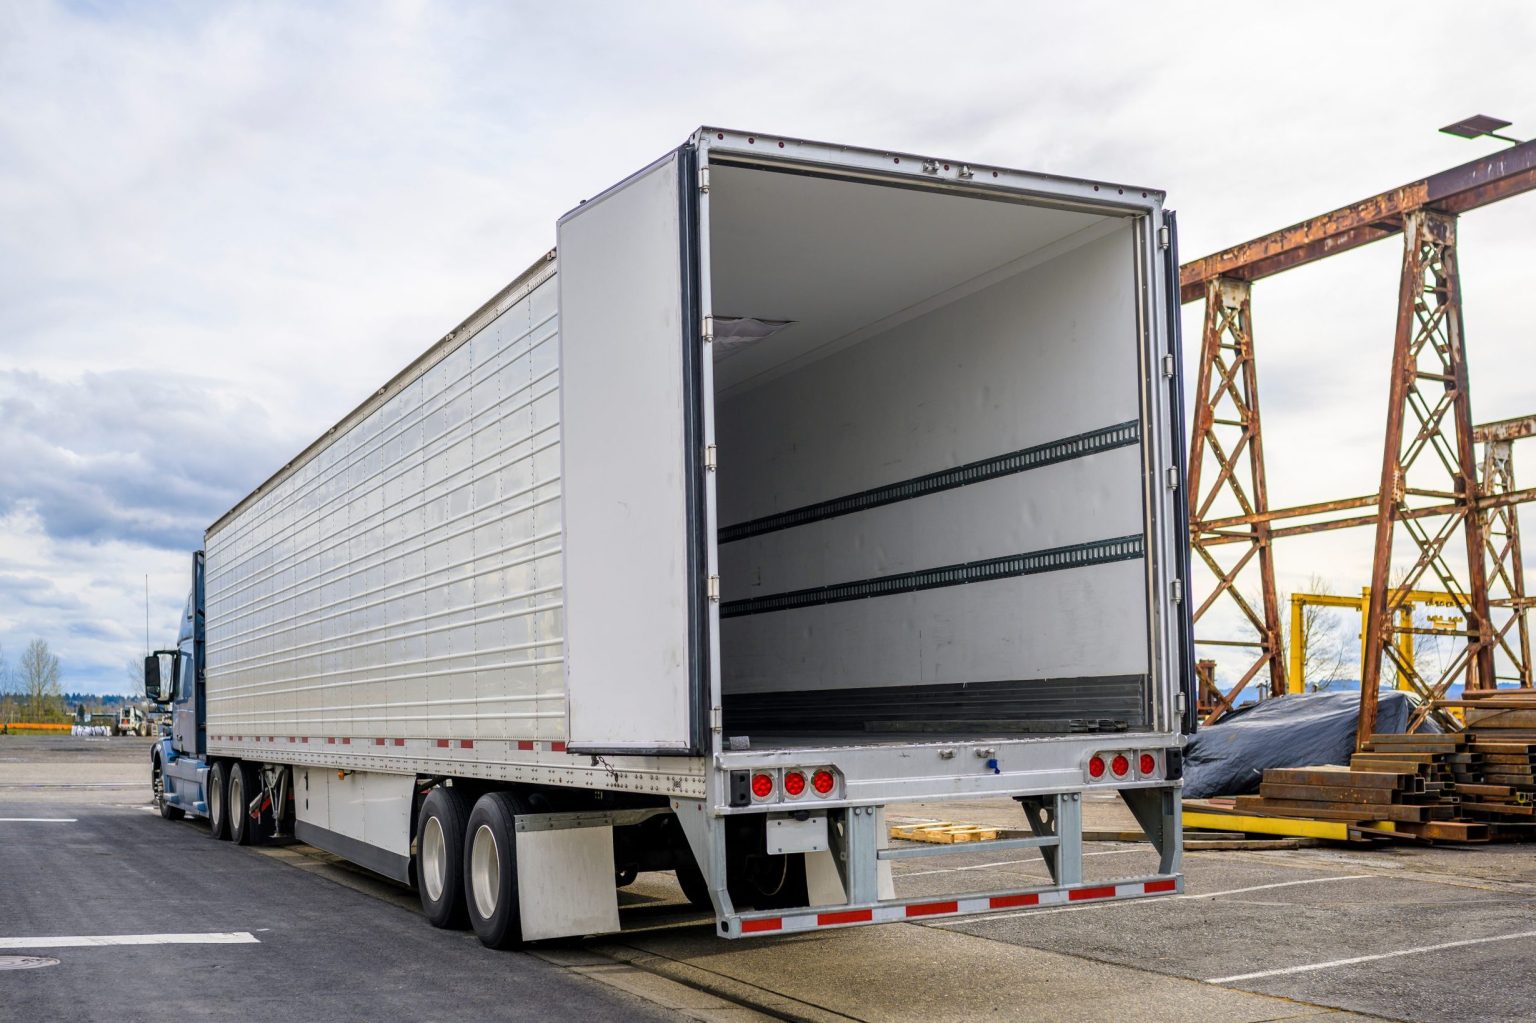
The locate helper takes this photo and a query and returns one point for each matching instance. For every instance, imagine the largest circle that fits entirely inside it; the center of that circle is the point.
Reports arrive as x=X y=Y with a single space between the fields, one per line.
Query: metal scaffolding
x=1227 y=433
x=1430 y=490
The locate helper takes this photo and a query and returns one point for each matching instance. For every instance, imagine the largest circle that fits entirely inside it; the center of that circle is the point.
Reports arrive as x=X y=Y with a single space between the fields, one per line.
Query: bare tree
x=1324 y=639
x=40 y=692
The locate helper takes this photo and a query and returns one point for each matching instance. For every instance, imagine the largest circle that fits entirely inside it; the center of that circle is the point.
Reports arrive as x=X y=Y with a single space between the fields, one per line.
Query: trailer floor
x=1422 y=934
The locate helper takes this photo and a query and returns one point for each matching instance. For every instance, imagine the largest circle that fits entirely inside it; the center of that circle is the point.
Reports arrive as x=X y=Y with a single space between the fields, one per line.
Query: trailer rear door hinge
x=1168 y=366
x=1164 y=237
x=709 y=458
x=707 y=330
x=1173 y=477
x=714 y=588
x=704 y=182
x=1177 y=588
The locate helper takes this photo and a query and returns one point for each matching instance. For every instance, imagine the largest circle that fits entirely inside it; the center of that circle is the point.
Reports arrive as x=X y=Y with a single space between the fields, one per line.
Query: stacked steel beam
x=1398 y=786
x=1500 y=784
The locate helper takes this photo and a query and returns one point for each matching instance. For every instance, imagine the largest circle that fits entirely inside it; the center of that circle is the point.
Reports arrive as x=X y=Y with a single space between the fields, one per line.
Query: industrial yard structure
x=1459 y=511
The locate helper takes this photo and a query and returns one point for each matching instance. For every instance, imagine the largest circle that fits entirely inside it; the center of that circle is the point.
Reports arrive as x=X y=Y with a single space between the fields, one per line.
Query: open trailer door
x=632 y=475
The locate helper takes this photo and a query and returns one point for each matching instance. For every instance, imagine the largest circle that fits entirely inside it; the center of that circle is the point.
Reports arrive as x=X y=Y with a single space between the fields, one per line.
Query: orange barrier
x=19 y=727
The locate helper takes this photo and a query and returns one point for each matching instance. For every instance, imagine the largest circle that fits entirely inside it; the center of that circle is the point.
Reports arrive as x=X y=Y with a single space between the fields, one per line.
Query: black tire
x=695 y=889
x=157 y=779
x=757 y=879
x=218 y=799
x=440 y=856
x=244 y=785
x=490 y=870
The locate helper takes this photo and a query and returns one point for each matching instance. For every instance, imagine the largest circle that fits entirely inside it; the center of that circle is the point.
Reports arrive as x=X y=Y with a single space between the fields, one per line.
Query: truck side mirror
x=152 y=678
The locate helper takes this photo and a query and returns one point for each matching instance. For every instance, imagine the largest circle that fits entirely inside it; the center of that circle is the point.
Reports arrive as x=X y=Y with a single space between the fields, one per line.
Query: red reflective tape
x=466 y=744
x=1011 y=901
x=399 y=742
x=442 y=744
x=933 y=908
x=772 y=923
x=847 y=916
x=557 y=747
x=304 y=739
x=1167 y=885
x=346 y=740
x=378 y=742
x=525 y=744
x=1081 y=894
x=292 y=739
x=331 y=739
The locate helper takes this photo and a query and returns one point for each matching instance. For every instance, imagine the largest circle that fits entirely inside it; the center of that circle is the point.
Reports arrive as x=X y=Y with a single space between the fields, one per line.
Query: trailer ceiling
x=838 y=256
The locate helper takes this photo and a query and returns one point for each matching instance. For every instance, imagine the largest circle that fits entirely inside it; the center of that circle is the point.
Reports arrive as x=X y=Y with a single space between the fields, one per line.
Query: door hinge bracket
x=709 y=458
x=1177 y=588
x=707 y=330
x=1173 y=477
x=704 y=180
x=714 y=588
x=1164 y=237
x=1168 y=366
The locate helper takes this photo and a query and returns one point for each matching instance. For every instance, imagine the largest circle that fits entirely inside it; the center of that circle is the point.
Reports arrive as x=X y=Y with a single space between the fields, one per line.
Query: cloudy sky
x=225 y=224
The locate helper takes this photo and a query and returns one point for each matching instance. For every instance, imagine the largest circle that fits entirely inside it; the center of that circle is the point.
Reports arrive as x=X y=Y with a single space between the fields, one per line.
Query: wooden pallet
x=944 y=832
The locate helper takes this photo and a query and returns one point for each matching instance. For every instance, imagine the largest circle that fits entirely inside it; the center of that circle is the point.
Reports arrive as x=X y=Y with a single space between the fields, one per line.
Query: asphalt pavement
x=1318 y=934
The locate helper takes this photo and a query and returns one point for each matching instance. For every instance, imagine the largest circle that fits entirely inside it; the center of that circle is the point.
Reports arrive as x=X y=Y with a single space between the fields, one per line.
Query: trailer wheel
x=157 y=778
x=760 y=880
x=695 y=889
x=490 y=870
x=440 y=829
x=218 y=796
x=243 y=786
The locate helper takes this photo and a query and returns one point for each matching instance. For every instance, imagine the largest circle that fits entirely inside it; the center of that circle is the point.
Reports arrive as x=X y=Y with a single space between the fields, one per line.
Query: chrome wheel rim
x=485 y=871
x=215 y=800
x=237 y=800
x=434 y=859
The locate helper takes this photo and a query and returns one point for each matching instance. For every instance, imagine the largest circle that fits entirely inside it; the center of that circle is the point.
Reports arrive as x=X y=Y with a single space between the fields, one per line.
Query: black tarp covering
x=1229 y=757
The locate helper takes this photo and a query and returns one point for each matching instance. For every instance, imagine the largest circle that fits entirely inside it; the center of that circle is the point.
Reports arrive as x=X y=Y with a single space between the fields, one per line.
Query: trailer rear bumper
x=927 y=908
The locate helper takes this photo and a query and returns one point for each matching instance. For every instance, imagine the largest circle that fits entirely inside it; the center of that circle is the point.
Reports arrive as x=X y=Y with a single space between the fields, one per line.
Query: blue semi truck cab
x=174 y=678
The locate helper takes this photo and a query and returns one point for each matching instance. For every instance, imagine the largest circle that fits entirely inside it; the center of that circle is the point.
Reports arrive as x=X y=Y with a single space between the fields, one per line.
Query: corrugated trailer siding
x=406 y=581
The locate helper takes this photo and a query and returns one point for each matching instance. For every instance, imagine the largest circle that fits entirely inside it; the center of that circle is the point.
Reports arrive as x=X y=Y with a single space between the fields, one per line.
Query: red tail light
x=794 y=783
x=1120 y=766
x=823 y=782
x=1096 y=767
x=762 y=785
x=1148 y=764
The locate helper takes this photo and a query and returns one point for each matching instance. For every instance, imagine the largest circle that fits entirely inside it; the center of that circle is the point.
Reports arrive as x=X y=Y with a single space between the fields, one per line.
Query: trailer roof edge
x=524 y=283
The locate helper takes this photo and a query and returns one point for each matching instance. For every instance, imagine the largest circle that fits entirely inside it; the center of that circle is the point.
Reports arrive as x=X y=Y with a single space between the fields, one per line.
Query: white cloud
x=272 y=208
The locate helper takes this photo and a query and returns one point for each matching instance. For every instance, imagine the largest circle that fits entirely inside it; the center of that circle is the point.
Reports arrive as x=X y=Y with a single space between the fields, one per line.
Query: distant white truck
x=807 y=479
x=131 y=720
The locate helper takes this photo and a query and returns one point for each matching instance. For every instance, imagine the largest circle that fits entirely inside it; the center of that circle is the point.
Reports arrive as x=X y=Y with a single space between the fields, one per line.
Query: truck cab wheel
x=490 y=870
x=218 y=799
x=157 y=779
x=244 y=786
x=440 y=856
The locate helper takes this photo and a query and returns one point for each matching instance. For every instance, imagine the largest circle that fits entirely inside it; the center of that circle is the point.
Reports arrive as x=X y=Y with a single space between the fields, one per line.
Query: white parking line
x=38 y=820
x=94 y=940
x=1368 y=959
x=1132 y=902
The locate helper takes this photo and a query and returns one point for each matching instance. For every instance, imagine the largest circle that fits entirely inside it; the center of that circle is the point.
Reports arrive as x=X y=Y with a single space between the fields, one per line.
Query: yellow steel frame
x=1296 y=683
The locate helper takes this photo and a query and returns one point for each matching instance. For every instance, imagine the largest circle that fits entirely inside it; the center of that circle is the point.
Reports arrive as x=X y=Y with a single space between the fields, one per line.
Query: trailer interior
x=930 y=484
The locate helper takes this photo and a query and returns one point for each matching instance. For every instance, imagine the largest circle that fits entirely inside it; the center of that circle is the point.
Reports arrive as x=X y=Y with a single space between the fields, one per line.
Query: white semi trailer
x=805 y=480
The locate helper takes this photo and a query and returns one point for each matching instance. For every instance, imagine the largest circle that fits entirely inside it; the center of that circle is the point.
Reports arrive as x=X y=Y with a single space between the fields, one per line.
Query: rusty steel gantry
x=1430 y=487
